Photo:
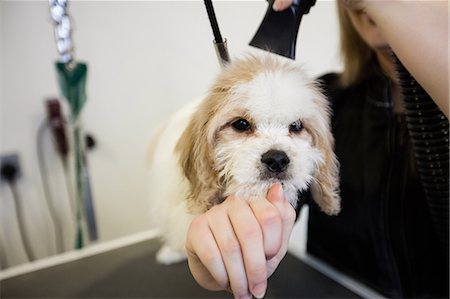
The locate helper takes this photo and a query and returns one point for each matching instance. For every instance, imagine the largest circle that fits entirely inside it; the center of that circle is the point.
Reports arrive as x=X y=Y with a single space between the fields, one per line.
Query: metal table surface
x=131 y=272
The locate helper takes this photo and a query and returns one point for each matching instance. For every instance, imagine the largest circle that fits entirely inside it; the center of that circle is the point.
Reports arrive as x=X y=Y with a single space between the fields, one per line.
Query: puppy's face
x=263 y=122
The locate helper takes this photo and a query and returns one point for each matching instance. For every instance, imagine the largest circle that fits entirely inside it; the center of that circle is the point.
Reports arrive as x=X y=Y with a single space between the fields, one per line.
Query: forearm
x=417 y=31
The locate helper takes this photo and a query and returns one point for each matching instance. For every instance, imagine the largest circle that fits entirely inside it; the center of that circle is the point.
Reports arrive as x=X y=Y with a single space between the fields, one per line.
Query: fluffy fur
x=199 y=157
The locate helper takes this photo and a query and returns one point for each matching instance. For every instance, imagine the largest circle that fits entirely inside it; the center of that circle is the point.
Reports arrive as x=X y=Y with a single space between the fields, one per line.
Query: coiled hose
x=429 y=132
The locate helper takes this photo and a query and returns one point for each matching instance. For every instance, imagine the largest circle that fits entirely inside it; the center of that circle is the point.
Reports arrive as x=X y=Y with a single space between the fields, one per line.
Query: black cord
x=43 y=171
x=19 y=215
x=213 y=21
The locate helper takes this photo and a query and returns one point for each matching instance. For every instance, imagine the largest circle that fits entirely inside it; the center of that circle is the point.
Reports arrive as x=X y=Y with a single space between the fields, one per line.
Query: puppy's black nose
x=275 y=161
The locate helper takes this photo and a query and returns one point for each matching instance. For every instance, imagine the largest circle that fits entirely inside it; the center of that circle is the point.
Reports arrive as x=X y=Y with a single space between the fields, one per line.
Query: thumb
x=275 y=194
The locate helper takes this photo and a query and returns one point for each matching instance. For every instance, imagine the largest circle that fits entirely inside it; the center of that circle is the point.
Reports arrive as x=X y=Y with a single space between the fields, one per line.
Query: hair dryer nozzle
x=278 y=30
x=222 y=52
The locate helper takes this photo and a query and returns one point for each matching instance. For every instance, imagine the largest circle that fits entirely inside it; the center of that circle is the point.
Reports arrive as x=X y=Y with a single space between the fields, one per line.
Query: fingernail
x=279 y=190
x=259 y=290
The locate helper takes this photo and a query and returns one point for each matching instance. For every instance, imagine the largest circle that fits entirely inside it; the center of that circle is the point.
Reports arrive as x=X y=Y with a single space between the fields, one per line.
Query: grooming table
x=131 y=272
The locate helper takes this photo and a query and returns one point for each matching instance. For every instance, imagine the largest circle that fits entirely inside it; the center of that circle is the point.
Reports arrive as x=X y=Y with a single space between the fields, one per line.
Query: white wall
x=145 y=60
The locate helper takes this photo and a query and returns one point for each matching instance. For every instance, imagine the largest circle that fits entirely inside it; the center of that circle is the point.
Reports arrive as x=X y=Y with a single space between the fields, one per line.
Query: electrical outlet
x=9 y=167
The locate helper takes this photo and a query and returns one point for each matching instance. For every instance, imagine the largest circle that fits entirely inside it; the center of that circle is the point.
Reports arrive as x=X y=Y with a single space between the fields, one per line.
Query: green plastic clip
x=72 y=83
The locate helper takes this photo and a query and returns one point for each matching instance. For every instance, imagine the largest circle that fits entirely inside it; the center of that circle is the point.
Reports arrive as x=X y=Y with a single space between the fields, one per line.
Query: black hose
x=429 y=132
x=219 y=43
x=213 y=21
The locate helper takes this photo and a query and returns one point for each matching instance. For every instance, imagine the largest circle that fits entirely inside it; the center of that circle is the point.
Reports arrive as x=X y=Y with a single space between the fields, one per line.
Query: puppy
x=263 y=121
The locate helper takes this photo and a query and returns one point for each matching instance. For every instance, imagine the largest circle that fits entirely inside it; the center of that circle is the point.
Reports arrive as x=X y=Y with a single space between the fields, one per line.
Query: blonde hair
x=355 y=53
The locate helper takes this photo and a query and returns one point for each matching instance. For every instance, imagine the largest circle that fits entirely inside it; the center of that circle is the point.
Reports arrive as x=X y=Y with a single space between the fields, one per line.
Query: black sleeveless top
x=383 y=236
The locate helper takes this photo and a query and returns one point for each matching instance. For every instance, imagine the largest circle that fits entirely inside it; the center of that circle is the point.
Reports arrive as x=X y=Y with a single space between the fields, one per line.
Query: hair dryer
x=278 y=30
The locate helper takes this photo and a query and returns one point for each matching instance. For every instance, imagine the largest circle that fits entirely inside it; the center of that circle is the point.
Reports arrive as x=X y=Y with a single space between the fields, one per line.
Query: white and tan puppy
x=262 y=122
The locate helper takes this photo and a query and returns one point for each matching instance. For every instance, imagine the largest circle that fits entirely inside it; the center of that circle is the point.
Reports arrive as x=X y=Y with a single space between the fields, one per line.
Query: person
x=383 y=236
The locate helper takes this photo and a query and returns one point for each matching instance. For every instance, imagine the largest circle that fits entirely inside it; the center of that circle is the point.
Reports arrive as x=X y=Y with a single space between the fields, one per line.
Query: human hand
x=279 y=5
x=237 y=245
x=358 y=5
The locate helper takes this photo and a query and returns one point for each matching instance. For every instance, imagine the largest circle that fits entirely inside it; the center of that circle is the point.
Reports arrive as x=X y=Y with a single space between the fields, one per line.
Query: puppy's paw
x=167 y=255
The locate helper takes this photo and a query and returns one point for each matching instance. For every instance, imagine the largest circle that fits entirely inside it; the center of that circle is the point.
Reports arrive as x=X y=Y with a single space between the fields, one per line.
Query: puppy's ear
x=325 y=188
x=196 y=161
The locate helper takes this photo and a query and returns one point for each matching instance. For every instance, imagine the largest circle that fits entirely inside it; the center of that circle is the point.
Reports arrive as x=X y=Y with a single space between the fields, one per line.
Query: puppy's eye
x=241 y=125
x=296 y=127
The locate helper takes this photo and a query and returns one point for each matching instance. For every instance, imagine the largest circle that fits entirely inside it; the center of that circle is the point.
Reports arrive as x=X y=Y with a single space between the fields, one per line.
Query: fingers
x=276 y=197
x=237 y=245
x=276 y=217
x=269 y=218
x=225 y=250
x=230 y=247
x=280 y=5
x=248 y=231
x=287 y=213
x=204 y=257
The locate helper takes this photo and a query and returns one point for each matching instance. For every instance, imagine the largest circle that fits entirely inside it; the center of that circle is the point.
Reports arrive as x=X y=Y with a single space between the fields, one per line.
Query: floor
x=131 y=272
